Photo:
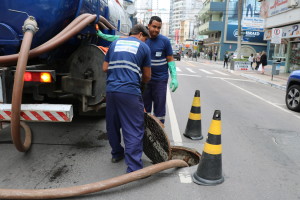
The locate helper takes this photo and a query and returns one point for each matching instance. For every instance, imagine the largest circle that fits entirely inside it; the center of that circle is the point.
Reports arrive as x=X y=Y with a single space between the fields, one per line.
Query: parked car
x=176 y=55
x=292 y=97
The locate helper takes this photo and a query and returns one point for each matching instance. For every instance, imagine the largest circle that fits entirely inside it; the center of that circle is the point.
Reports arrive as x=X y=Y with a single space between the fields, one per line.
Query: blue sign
x=250 y=36
x=252 y=23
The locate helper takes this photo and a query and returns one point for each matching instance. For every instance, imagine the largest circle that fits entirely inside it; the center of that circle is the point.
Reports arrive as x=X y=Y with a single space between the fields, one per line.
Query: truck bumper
x=39 y=112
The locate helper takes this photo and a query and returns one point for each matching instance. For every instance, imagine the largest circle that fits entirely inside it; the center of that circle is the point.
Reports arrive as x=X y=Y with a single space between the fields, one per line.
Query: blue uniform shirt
x=160 y=49
x=126 y=57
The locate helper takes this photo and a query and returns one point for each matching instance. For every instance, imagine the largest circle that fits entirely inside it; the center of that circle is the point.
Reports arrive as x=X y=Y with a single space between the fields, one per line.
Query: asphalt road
x=260 y=140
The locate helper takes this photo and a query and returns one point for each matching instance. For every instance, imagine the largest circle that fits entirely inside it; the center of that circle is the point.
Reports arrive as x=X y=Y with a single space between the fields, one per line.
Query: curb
x=281 y=87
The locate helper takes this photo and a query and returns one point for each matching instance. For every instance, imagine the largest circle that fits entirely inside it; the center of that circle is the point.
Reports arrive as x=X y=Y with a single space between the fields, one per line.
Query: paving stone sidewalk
x=278 y=81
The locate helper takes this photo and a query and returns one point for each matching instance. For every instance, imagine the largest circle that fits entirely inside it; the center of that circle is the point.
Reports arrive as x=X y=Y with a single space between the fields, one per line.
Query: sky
x=163 y=12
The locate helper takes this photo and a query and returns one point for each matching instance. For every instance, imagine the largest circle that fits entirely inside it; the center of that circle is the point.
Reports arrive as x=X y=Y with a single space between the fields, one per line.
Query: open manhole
x=190 y=156
x=157 y=145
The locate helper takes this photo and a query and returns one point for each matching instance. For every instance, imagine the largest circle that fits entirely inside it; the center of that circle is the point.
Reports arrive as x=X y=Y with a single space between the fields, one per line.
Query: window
x=277 y=51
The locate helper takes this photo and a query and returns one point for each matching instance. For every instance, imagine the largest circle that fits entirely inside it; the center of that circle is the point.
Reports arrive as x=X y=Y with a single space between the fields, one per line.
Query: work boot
x=118 y=159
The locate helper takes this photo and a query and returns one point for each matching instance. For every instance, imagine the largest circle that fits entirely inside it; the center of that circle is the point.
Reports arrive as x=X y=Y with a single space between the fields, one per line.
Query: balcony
x=210 y=27
x=212 y=8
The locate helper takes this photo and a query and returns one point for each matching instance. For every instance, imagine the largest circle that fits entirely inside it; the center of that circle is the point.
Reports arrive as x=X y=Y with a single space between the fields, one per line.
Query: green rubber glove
x=107 y=37
x=174 y=82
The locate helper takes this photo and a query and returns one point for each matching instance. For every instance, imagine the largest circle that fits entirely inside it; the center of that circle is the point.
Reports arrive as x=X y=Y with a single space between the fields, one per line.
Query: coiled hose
x=17 y=96
x=63 y=36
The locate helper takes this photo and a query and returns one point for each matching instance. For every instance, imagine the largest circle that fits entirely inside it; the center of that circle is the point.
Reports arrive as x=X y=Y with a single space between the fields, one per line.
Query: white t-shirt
x=250 y=59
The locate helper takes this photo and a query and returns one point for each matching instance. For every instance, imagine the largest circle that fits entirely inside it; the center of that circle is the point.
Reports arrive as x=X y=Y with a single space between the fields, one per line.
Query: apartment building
x=219 y=20
x=183 y=10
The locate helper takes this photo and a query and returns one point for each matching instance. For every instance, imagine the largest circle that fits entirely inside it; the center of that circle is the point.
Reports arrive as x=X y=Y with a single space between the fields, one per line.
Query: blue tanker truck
x=51 y=58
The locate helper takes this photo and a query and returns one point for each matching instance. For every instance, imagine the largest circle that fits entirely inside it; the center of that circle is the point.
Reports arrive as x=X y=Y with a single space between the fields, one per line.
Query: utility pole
x=239 y=42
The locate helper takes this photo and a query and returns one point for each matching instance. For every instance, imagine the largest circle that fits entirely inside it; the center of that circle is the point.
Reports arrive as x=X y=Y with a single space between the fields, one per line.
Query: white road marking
x=207 y=63
x=190 y=70
x=189 y=64
x=220 y=72
x=273 y=104
x=205 y=71
x=189 y=75
x=173 y=120
x=178 y=69
x=233 y=79
x=280 y=104
x=185 y=176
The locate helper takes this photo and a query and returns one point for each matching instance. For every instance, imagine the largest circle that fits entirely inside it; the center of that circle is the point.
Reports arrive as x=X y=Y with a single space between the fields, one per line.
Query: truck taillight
x=45 y=77
x=27 y=76
x=42 y=77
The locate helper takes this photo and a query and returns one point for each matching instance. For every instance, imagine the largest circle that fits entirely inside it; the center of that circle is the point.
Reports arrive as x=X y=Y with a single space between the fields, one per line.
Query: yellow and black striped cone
x=193 y=127
x=209 y=170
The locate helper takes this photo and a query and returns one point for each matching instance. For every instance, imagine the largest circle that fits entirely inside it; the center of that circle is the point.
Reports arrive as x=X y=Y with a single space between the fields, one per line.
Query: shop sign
x=277 y=7
x=268 y=34
x=249 y=36
x=242 y=65
x=291 y=31
x=251 y=20
x=276 y=35
x=252 y=23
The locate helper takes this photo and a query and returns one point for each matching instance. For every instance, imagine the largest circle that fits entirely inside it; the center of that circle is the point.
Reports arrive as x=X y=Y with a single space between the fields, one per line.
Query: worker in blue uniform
x=161 y=60
x=128 y=64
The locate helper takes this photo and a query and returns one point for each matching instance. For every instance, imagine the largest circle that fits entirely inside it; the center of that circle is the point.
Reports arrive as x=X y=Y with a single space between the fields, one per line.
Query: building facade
x=182 y=10
x=144 y=11
x=285 y=16
x=219 y=20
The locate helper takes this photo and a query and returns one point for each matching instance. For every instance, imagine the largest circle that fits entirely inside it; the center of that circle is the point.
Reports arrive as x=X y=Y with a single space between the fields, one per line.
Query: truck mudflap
x=39 y=112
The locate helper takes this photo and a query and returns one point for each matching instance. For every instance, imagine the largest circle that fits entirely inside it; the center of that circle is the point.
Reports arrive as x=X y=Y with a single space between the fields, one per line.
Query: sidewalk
x=279 y=81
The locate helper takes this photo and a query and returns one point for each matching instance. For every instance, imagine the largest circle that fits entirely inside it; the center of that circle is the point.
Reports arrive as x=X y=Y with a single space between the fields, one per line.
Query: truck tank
x=76 y=62
x=52 y=16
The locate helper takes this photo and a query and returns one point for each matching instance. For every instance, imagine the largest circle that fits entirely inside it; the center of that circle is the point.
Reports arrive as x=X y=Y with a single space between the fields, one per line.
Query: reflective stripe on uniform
x=159 y=62
x=125 y=65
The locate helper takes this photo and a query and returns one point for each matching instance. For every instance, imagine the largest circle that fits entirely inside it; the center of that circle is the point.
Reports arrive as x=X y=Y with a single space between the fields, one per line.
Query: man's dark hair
x=155 y=18
x=139 y=28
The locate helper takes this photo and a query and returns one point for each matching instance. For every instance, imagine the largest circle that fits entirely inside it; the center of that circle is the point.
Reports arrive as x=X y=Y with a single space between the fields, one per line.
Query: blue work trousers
x=156 y=93
x=126 y=112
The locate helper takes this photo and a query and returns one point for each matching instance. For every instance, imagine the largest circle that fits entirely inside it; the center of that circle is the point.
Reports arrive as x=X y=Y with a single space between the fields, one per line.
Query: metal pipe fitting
x=30 y=24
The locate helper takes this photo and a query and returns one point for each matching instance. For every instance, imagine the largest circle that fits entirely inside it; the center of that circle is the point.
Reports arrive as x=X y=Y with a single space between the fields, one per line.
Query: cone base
x=193 y=137
x=202 y=181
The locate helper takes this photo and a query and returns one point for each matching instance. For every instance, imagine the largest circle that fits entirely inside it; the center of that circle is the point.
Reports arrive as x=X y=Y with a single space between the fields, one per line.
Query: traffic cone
x=193 y=127
x=209 y=170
